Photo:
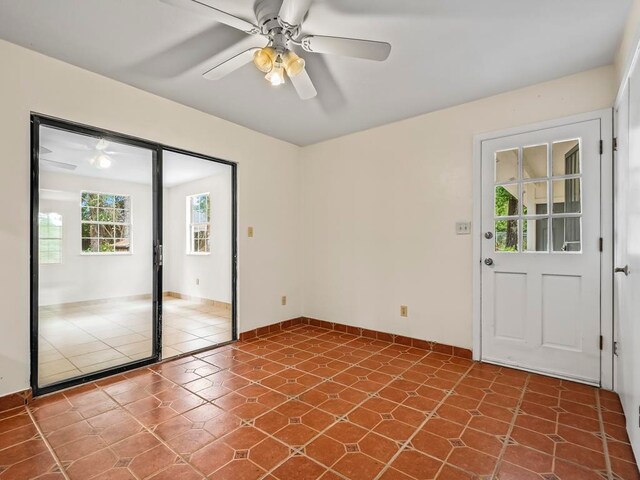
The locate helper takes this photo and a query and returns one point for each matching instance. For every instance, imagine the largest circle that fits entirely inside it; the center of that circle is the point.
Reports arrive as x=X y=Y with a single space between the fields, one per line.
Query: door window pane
x=535 y=234
x=566 y=234
x=535 y=198
x=528 y=186
x=506 y=235
x=567 y=196
x=534 y=161
x=506 y=200
x=566 y=158
x=507 y=166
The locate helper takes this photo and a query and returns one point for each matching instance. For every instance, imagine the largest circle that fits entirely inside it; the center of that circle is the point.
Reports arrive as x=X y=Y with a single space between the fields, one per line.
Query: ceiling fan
x=269 y=44
x=100 y=156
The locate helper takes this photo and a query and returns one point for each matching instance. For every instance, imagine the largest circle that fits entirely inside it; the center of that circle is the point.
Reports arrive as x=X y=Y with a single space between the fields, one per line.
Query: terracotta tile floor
x=309 y=403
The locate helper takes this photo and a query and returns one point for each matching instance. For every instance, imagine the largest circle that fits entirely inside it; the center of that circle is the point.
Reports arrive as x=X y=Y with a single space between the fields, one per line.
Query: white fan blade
x=351 y=47
x=53 y=163
x=233 y=57
x=303 y=85
x=292 y=12
x=203 y=7
x=230 y=65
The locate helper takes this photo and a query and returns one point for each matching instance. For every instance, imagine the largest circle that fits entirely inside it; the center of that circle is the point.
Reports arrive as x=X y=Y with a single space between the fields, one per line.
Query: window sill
x=198 y=254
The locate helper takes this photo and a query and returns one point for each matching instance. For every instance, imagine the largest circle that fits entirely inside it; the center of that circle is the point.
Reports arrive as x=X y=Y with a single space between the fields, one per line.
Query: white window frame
x=190 y=224
x=40 y=238
x=90 y=222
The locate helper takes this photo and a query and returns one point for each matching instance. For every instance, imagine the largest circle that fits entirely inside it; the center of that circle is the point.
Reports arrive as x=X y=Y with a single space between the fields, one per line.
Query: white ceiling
x=128 y=164
x=445 y=52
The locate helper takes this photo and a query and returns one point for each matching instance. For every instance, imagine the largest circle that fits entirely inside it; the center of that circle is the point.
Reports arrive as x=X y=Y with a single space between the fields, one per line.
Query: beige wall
x=361 y=224
x=268 y=187
x=380 y=208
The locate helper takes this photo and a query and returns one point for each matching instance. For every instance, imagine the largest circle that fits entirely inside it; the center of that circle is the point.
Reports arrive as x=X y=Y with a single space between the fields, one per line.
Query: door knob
x=624 y=270
x=488 y=235
x=488 y=261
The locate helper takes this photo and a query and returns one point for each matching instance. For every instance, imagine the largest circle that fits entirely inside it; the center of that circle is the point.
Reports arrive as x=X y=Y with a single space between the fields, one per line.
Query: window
x=50 y=239
x=106 y=223
x=538 y=198
x=198 y=223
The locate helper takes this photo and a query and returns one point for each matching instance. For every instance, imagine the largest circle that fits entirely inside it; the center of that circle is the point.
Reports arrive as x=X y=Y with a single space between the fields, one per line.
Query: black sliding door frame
x=157 y=149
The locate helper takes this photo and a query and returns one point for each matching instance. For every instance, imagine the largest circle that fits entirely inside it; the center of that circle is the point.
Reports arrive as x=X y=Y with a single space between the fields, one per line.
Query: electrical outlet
x=250 y=232
x=404 y=311
x=463 y=228
x=283 y=300
x=197 y=281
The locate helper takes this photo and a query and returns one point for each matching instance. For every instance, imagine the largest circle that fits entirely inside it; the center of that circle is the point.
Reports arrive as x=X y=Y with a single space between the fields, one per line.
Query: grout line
x=421 y=426
x=507 y=437
x=605 y=445
x=46 y=442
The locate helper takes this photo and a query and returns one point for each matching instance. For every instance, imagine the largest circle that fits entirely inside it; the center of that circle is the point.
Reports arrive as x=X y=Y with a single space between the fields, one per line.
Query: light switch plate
x=463 y=228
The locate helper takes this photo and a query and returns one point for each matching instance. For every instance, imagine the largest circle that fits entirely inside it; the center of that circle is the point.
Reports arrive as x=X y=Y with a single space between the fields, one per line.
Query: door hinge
x=615 y=144
x=616 y=348
x=601 y=147
x=601 y=244
x=601 y=342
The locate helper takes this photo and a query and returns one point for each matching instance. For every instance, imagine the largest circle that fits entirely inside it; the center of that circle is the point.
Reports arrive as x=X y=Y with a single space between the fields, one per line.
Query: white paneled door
x=540 y=251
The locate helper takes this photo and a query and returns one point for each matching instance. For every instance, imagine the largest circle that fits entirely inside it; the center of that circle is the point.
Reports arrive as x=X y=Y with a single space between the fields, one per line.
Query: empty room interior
x=320 y=239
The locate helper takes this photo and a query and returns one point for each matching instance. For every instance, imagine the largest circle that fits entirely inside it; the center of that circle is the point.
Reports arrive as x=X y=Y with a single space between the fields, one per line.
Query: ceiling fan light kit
x=274 y=64
x=279 y=26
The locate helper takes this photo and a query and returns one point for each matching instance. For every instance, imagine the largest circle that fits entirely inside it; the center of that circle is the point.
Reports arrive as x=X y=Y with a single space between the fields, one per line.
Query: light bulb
x=263 y=59
x=293 y=63
x=276 y=75
x=101 y=161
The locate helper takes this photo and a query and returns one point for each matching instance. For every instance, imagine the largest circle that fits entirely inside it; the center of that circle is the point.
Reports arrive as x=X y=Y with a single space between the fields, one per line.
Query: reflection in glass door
x=198 y=241
x=93 y=253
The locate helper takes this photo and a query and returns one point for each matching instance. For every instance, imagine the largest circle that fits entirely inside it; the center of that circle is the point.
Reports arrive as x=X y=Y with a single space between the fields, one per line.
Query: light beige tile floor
x=76 y=340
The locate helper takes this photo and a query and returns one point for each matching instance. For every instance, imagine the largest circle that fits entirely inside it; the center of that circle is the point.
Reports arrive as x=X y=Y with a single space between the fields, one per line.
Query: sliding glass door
x=198 y=253
x=94 y=268
x=133 y=253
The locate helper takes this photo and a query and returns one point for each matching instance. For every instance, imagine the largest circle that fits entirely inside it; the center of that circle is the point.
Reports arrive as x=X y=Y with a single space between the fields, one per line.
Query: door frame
x=157 y=149
x=605 y=116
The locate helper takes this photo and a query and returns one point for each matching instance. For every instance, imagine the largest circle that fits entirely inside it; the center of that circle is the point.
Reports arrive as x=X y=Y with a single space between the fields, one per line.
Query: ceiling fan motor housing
x=267 y=15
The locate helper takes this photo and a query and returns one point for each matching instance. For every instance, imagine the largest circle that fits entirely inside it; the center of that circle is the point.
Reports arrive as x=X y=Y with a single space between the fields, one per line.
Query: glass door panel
x=197 y=276
x=94 y=254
